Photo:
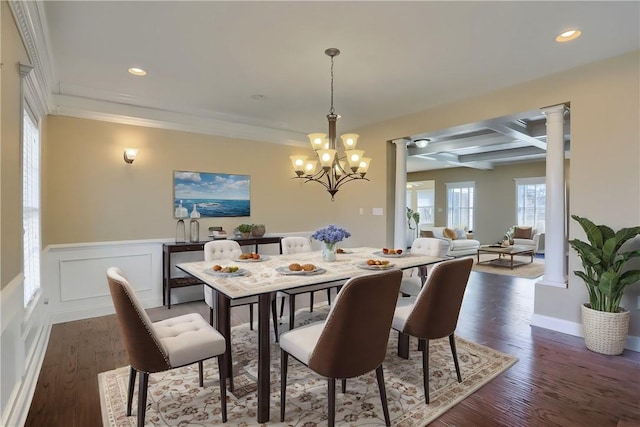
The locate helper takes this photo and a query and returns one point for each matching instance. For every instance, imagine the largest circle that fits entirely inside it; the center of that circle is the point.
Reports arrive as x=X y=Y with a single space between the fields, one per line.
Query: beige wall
x=91 y=194
x=12 y=54
x=495 y=195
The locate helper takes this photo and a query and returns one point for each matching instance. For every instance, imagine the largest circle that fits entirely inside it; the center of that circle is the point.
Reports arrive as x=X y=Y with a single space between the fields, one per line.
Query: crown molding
x=86 y=108
x=95 y=104
x=30 y=19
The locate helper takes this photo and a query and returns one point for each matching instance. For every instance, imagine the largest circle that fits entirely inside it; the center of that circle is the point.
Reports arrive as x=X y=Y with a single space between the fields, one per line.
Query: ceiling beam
x=515 y=131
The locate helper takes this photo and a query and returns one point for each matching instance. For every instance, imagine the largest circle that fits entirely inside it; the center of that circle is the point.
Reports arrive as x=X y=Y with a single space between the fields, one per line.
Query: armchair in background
x=528 y=236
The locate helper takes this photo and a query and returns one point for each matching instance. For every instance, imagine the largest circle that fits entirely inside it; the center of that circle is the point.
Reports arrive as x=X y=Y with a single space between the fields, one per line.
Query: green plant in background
x=509 y=234
x=603 y=263
x=245 y=228
x=413 y=215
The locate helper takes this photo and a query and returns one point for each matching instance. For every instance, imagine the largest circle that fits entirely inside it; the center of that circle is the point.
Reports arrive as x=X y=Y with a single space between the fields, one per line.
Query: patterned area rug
x=175 y=399
x=527 y=270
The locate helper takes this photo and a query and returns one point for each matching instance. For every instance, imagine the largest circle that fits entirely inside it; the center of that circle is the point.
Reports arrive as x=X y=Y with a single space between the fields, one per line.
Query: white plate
x=344 y=252
x=240 y=272
x=375 y=267
x=262 y=258
x=382 y=254
x=287 y=272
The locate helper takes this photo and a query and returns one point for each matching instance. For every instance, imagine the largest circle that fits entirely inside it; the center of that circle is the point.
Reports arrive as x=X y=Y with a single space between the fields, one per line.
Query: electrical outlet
x=45 y=301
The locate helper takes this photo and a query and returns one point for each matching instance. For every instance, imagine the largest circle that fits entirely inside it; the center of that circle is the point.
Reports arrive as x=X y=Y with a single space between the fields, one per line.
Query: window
x=531 y=196
x=460 y=204
x=420 y=198
x=31 y=204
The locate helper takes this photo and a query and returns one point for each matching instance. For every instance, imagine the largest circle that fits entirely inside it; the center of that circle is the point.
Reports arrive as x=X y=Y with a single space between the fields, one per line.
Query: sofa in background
x=452 y=242
x=528 y=236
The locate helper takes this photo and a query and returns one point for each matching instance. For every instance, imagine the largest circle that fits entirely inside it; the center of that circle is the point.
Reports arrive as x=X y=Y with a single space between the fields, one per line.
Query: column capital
x=554 y=109
x=401 y=141
x=24 y=69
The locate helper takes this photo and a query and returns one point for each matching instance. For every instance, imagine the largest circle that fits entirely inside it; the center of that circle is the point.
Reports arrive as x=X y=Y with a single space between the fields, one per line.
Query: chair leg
x=282 y=307
x=331 y=391
x=142 y=397
x=132 y=383
x=344 y=385
x=311 y=302
x=223 y=386
x=284 y=357
x=328 y=296
x=383 y=395
x=274 y=314
x=292 y=310
x=251 y=316
x=211 y=316
x=452 y=343
x=200 y=374
x=425 y=369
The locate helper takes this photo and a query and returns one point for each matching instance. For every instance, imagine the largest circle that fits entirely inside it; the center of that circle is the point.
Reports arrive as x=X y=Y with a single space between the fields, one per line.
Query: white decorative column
x=399 y=229
x=555 y=273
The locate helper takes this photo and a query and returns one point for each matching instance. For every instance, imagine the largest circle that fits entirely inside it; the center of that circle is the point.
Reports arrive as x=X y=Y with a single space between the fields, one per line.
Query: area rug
x=528 y=271
x=175 y=399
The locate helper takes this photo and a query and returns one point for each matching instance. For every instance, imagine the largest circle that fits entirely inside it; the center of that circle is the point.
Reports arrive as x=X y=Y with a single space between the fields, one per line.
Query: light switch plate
x=377 y=211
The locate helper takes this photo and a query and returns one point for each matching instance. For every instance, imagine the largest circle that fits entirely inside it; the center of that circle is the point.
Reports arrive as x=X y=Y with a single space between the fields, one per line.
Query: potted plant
x=605 y=323
x=245 y=230
x=415 y=216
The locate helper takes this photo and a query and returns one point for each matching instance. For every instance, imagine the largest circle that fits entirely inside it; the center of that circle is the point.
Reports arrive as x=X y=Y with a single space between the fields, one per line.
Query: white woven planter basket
x=605 y=333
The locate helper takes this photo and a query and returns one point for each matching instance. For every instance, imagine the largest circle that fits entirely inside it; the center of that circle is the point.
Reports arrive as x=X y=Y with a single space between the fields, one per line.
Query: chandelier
x=335 y=169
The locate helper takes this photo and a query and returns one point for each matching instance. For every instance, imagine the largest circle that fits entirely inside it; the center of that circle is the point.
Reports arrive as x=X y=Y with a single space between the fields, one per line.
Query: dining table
x=269 y=274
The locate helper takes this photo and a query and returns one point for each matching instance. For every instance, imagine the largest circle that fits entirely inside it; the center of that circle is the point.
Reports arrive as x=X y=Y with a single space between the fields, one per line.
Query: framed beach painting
x=213 y=194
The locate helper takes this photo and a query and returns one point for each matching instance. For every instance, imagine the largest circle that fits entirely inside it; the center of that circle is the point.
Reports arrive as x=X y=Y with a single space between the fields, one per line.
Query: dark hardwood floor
x=556 y=382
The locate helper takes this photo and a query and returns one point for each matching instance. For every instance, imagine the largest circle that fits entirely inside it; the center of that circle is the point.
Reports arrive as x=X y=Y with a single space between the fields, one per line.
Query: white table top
x=263 y=277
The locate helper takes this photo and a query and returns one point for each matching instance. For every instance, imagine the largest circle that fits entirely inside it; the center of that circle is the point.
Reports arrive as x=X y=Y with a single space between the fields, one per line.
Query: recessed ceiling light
x=258 y=97
x=568 y=35
x=137 y=71
x=421 y=143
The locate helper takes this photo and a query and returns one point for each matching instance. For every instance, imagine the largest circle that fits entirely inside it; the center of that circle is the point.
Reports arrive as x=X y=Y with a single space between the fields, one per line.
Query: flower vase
x=329 y=252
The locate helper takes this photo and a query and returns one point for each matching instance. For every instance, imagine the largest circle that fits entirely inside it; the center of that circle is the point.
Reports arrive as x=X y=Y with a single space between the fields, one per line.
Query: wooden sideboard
x=168 y=249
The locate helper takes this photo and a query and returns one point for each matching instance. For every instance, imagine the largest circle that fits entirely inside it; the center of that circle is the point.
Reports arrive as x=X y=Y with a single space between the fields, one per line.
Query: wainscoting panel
x=23 y=340
x=78 y=286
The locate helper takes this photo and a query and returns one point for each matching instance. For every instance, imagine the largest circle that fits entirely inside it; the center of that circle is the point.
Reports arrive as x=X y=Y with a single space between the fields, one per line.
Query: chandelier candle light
x=335 y=170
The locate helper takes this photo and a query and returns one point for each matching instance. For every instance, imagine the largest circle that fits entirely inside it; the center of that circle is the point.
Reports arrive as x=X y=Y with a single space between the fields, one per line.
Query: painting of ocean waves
x=217 y=207
x=212 y=194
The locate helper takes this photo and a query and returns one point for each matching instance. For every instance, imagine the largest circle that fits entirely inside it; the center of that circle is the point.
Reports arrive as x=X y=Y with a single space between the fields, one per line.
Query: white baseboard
x=575 y=329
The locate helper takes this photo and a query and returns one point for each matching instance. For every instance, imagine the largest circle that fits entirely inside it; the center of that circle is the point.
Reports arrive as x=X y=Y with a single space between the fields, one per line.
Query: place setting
x=252 y=257
x=376 y=264
x=296 y=269
x=228 y=271
x=391 y=253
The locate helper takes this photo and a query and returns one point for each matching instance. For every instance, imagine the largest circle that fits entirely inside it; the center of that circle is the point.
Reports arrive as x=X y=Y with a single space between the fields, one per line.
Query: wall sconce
x=130 y=154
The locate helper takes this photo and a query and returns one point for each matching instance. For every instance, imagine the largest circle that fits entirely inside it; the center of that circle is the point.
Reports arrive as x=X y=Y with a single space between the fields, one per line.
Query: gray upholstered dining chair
x=351 y=341
x=160 y=346
x=413 y=279
x=434 y=312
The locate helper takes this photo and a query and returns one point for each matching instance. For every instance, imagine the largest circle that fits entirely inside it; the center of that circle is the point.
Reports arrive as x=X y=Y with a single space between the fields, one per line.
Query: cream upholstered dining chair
x=413 y=279
x=230 y=249
x=160 y=346
x=434 y=312
x=296 y=245
x=351 y=341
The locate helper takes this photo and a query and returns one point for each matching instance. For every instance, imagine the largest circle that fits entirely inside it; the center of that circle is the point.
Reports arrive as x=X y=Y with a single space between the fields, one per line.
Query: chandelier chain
x=332 y=111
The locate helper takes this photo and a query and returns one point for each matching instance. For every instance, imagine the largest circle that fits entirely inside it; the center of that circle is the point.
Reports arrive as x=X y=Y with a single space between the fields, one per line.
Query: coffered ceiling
x=257 y=70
